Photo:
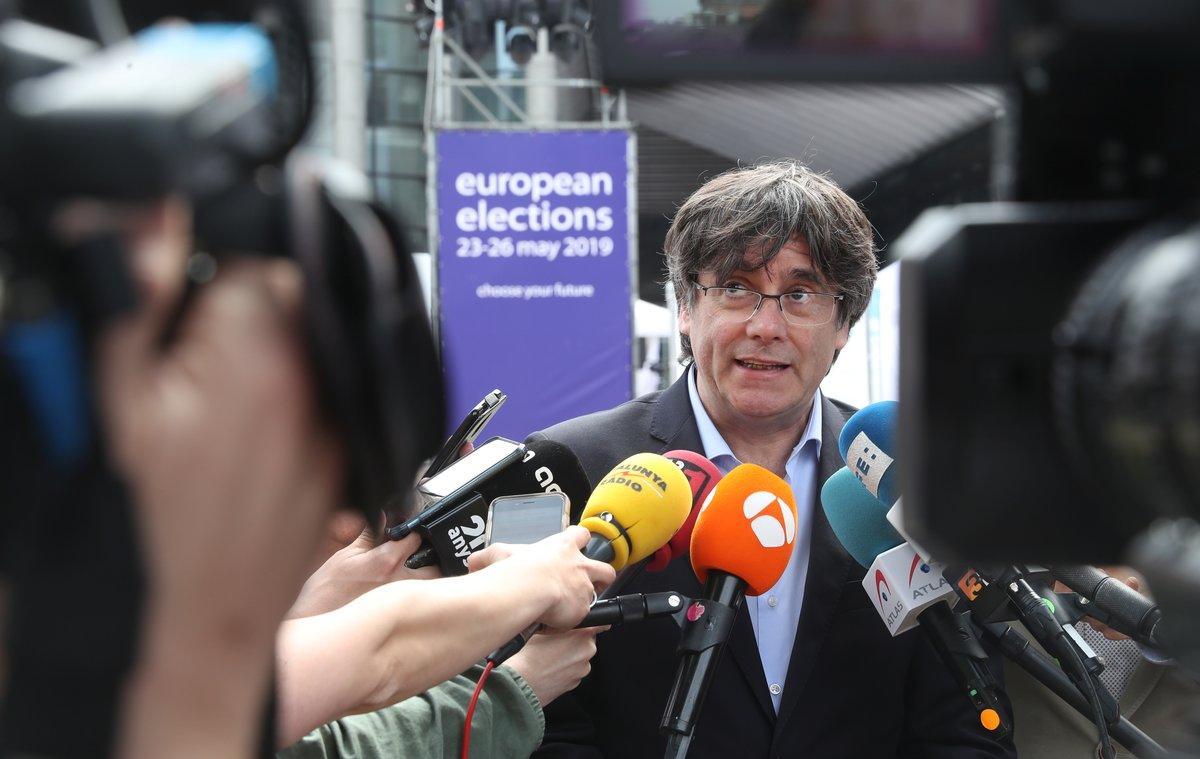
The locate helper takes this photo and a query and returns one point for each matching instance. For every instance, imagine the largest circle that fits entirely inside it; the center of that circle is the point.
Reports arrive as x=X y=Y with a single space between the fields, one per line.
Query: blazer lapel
x=673 y=424
x=828 y=568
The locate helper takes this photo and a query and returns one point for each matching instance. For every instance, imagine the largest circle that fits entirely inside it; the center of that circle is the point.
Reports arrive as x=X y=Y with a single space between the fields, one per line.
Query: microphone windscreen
x=859 y=519
x=638 y=506
x=702 y=476
x=547 y=467
x=868 y=446
x=747 y=528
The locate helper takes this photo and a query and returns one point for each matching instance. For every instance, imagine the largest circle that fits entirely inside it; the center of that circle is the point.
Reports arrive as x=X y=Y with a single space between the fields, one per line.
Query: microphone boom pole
x=700 y=648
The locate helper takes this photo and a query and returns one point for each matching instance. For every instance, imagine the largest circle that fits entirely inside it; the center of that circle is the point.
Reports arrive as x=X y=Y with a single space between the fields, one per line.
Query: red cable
x=466 y=740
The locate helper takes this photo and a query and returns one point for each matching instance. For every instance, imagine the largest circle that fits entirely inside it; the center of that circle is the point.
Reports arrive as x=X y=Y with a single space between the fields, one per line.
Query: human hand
x=356 y=568
x=555 y=663
x=229 y=470
x=343 y=528
x=217 y=434
x=554 y=565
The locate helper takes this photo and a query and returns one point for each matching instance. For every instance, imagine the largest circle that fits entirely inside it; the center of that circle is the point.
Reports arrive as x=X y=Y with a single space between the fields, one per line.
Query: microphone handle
x=402 y=530
x=632 y=608
x=1049 y=632
x=710 y=620
x=518 y=641
x=678 y=745
x=600 y=549
x=1046 y=671
x=954 y=639
x=1043 y=626
x=1116 y=604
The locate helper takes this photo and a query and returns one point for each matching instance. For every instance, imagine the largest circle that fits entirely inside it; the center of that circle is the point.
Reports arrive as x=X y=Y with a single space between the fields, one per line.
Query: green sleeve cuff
x=508 y=722
x=530 y=696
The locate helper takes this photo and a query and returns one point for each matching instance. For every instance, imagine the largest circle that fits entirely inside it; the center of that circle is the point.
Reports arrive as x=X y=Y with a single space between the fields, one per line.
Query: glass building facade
x=395 y=85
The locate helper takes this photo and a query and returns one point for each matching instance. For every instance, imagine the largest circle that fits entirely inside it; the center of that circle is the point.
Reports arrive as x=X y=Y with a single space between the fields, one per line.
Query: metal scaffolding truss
x=450 y=93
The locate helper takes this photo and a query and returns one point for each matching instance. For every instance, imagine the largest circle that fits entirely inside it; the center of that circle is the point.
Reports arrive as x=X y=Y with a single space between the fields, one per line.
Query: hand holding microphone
x=356 y=568
x=453 y=528
x=570 y=575
x=555 y=664
x=633 y=512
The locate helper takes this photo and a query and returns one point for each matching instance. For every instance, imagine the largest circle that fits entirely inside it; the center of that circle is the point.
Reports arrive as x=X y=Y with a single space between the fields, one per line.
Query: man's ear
x=841 y=336
x=685 y=321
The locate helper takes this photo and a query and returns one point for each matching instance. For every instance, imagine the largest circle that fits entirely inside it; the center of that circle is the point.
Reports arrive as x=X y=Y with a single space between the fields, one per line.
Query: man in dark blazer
x=823 y=678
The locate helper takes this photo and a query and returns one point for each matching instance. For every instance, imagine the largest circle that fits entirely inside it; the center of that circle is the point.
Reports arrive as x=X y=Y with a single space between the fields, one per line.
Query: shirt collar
x=715 y=445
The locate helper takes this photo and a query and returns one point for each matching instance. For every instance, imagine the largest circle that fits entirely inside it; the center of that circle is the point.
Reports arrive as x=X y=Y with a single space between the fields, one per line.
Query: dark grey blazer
x=851 y=690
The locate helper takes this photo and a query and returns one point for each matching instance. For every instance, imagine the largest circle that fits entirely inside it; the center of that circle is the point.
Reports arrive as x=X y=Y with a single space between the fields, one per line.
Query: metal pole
x=433 y=118
x=631 y=239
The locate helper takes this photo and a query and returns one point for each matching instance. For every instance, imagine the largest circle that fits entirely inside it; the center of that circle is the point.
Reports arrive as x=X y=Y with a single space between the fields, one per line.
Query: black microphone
x=633 y=607
x=1044 y=626
x=1047 y=671
x=1113 y=602
x=452 y=534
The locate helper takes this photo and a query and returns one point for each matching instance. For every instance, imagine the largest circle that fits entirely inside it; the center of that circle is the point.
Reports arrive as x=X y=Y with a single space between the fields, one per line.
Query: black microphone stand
x=1017 y=648
x=999 y=593
x=700 y=649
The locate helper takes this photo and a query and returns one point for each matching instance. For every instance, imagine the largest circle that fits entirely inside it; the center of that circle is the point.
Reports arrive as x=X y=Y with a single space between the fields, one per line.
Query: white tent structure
x=652 y=320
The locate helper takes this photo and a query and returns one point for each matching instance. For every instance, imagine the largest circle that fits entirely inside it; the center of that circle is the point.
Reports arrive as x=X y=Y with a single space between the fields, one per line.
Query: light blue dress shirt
x=776 y=613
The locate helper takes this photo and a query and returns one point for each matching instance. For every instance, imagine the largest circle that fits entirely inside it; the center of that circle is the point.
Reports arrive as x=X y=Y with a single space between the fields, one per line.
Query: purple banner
x=534 y=273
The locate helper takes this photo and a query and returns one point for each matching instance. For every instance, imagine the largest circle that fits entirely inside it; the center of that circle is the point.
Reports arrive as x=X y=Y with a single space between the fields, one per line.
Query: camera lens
x=1127 y=371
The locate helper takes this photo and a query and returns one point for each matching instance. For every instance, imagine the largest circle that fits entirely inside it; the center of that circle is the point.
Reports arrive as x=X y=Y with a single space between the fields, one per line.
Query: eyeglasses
x=800 y=308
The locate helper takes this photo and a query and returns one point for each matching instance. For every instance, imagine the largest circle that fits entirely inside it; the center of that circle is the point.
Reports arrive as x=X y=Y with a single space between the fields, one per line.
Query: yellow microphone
x=632 y=513
x=636 y=509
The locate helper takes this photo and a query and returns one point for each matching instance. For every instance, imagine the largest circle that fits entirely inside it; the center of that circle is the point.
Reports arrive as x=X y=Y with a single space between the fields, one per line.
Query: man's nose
x=767 y=322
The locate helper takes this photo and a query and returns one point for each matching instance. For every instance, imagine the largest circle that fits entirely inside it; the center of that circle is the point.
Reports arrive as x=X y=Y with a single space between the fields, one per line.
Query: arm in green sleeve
x=508 y=722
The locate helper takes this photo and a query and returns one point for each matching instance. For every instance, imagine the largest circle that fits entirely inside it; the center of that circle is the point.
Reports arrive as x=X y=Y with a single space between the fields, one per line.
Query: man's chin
x=764 y=409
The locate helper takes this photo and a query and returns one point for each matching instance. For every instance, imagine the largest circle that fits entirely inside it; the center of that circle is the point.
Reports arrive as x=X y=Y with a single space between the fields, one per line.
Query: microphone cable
x=1041 y=622
x=466 y=738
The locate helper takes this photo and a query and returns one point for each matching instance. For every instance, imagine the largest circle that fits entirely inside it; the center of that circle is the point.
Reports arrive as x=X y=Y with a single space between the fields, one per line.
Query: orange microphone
x=741 y=545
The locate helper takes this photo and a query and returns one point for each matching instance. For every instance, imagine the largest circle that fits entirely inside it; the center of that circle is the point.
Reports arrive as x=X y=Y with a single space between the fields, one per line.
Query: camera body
x=988 y=472
x=212 y=112
x=1049 y=404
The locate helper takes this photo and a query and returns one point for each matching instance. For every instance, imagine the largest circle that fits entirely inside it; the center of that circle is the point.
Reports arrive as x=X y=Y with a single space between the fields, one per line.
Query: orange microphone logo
x=970 y=585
